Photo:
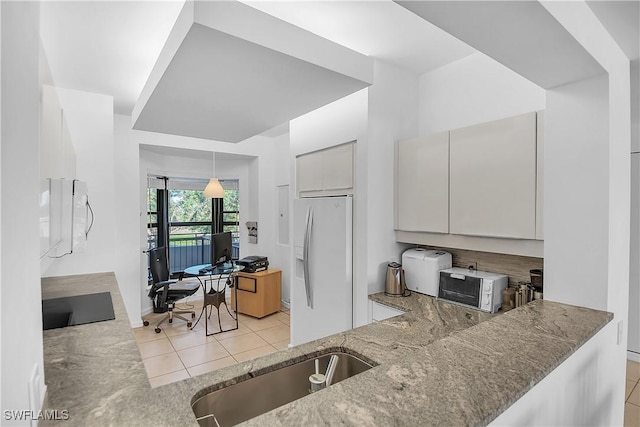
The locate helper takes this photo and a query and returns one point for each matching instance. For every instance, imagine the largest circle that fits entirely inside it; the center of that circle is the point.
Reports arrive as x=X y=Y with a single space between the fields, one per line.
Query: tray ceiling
x=219 y=81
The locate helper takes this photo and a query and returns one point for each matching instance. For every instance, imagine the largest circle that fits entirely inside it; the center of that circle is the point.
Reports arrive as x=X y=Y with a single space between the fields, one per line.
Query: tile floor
x=177 y=352
x=632 y=395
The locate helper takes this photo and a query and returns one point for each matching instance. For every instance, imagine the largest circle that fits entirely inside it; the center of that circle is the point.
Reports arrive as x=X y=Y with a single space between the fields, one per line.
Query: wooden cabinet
x=326 y=172
x=422 y=184
x=259 y=294
x=493 y=178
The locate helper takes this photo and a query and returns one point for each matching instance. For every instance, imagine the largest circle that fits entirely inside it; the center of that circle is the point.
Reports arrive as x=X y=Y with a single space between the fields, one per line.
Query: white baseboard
x=137 y=323
x=632 y=355
x=286 y=304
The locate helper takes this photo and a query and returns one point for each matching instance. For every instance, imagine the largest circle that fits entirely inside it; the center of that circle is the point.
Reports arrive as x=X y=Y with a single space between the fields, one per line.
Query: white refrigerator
x=322 y=291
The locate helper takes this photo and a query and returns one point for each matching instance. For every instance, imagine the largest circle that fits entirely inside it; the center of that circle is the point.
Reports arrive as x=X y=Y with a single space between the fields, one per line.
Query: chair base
x=171 y=314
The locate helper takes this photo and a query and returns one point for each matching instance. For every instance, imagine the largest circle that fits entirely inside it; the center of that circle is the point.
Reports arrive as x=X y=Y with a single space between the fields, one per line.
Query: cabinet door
x=309 y=172
x=422 y=184
x=326 y=172
x=539 y=174
x=337 y=164
x=493 y=178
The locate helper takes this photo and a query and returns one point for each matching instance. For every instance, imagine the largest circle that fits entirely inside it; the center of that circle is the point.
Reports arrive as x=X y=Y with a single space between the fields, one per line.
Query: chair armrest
x=164 y=285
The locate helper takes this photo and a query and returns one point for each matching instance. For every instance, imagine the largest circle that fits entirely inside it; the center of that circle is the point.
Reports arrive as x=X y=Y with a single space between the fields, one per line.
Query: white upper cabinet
x=56 y=148
x=493 y=178
x=422 y=184
x=540 y=175
x=337 y=165
x=326 y=172
x=309 y=172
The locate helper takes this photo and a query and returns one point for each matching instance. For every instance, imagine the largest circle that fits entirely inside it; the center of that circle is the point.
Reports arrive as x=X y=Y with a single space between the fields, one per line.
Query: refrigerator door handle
x=307 y=242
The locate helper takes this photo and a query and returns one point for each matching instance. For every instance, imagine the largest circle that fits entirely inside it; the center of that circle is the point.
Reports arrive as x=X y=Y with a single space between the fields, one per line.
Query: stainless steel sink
x=242 y=401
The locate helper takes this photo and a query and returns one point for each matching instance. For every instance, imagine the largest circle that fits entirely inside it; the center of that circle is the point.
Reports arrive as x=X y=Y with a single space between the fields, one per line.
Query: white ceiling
x=522 y=35
x=110 y=47
x=622 y=20
x=220 y=85
x=378 y=28
x=106 y=47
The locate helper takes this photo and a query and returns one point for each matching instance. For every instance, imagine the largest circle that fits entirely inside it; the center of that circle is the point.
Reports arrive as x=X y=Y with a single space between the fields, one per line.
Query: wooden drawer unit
x=259 y=294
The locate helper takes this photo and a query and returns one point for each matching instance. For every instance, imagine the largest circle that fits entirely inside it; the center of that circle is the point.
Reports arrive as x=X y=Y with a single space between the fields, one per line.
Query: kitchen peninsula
x=437 y=364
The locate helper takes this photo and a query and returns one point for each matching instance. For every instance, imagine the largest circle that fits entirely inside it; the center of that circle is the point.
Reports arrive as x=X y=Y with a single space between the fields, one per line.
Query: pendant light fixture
x=213 y=189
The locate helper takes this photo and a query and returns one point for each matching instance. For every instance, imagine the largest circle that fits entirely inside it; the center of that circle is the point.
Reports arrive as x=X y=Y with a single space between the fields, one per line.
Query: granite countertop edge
x=403 y=348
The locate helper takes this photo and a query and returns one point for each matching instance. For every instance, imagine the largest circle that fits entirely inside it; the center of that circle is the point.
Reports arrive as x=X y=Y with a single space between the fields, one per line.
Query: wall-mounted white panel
x=283 y=214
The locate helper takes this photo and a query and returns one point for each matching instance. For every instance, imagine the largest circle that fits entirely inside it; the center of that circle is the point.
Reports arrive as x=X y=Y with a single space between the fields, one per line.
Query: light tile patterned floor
x=177 y=352
x=632 y=394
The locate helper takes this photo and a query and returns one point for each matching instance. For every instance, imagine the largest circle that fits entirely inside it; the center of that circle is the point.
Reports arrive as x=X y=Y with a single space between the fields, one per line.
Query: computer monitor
x=220 y=248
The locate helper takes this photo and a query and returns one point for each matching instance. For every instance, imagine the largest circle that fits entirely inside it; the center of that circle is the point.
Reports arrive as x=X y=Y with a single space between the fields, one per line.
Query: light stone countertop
x=437 y=364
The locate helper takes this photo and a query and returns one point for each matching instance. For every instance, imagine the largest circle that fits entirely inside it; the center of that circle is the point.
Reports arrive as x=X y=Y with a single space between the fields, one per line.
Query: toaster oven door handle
x=458 y=276
x=305 y=262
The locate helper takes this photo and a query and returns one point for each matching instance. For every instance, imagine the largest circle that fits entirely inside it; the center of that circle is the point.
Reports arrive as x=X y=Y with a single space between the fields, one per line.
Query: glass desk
x=214 y=282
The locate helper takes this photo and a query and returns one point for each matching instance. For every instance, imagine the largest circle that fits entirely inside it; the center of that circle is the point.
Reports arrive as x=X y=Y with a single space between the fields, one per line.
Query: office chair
x=165 y=292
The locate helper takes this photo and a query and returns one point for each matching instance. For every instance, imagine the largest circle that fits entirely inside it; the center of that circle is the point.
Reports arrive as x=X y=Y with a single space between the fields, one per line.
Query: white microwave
x=477 y=289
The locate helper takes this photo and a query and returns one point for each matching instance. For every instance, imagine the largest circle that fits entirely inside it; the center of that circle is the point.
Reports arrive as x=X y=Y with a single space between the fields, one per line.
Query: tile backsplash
x=515 y=266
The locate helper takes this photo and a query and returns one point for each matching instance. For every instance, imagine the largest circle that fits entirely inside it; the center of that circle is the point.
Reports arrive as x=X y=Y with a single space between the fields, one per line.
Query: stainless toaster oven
x=477 y=289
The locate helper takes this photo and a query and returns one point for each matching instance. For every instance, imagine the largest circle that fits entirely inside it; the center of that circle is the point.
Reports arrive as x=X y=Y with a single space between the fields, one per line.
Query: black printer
x=253 y=263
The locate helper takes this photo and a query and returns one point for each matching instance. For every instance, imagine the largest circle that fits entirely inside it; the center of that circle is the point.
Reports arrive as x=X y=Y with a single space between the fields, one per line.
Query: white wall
x=127 y=215
x=393 y=115
x=576 y=199
x=90 y=120
x=278 y=175
x=20 y=306
x=472 y=90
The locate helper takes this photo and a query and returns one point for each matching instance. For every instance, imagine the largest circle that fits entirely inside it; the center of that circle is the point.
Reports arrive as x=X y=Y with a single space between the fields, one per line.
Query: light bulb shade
x=213 y=189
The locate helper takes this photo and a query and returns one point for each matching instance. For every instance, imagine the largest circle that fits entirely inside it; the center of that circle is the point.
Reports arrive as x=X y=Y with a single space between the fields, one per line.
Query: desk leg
x=204 y=292
x=216 y=299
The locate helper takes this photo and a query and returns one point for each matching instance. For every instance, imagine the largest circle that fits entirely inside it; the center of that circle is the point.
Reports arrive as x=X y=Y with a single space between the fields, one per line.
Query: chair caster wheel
x=170 y=320
x=158 y=330
x=188 y=324
x=145 y=323
x=193 y=315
